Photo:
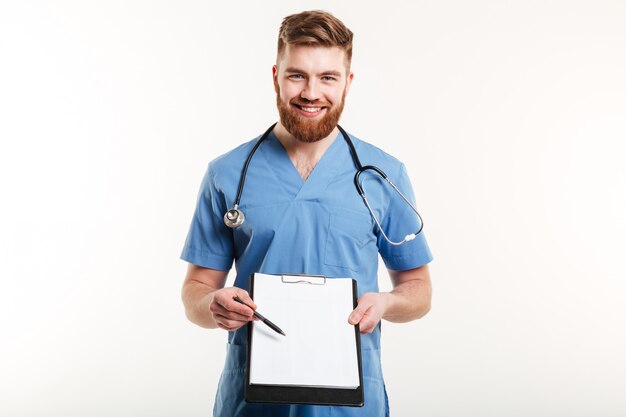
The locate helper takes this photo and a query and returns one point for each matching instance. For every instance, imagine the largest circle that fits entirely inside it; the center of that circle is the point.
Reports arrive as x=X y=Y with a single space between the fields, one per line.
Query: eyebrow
x=299 y=71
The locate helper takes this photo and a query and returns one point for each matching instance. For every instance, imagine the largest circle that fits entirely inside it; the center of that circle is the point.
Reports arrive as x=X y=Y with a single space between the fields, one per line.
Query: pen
x=260 y=317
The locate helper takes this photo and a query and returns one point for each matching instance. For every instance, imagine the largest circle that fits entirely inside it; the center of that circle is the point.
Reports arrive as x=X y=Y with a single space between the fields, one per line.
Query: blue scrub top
x=319 y=227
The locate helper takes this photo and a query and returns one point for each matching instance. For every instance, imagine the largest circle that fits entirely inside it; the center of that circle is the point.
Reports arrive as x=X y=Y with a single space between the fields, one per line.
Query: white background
x=510 y=117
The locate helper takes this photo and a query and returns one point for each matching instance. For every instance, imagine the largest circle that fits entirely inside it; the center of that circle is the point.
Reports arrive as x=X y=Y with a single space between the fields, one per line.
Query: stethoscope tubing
x=242 y=180
x=235 y=217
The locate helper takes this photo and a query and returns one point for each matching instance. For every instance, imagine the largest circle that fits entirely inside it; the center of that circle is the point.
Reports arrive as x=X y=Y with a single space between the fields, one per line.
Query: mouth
x=309 y=111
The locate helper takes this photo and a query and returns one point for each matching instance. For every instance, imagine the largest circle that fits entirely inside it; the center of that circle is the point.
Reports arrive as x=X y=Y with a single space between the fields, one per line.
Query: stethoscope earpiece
x=234 y=218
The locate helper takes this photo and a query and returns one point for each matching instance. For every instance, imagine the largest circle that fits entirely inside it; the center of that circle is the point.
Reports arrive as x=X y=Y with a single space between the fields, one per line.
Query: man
x=303 y=215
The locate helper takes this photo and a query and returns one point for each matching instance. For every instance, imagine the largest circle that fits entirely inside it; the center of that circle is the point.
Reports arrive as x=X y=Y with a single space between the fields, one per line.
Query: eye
x=296 y=77
x=328 y=78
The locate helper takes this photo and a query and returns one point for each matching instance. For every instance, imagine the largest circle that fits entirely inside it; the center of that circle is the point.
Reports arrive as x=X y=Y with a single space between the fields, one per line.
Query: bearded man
x=304 y=216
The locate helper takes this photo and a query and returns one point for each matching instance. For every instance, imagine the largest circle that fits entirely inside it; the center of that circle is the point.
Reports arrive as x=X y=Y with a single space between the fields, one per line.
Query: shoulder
x=228 y=167
x=234 y=157
x=373 y=155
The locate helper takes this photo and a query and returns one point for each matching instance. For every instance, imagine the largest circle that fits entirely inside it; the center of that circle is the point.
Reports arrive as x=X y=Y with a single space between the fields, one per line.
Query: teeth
x=311 y=109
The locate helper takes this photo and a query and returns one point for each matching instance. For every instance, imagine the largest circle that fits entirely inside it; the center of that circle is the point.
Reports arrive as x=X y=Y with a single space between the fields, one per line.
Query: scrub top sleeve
x=209 y=242
x=399 y=221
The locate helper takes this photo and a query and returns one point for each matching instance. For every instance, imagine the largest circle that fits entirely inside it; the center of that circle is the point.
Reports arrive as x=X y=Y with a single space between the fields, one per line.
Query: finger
x=232 y=315
x=231 y=305
x=366 y=330
x=230 y=329
x=228 y=324
x=367 y=323
x=358 y=313
x=223 y=326
x=245 y=297
x=219 y=310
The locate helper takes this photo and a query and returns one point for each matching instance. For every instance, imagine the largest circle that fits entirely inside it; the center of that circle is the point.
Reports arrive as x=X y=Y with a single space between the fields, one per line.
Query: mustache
x=302 y=102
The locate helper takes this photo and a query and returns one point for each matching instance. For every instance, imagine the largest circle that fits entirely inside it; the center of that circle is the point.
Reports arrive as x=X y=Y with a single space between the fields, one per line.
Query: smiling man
x=304 y=216
x=311 y=85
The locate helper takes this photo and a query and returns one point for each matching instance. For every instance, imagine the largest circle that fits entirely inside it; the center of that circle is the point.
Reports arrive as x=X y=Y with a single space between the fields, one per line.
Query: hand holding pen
x=232 y=308
x=262 y=318
x=228 y=314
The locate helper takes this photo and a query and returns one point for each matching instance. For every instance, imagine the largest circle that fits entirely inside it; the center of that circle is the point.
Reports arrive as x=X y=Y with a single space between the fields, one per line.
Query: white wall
x=509 y=115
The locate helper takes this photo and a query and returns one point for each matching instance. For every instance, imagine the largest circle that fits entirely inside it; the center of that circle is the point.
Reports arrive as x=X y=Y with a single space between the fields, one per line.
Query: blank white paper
x=319 y=348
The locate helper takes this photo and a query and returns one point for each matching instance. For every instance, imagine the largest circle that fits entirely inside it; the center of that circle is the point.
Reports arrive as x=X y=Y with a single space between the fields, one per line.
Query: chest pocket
x=348 y=235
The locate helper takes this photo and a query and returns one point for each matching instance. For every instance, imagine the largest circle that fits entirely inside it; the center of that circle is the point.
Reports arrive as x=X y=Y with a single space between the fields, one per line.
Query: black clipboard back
x=285 y=394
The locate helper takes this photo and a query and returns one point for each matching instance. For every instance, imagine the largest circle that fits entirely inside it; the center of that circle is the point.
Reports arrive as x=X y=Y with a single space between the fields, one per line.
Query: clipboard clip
x=303 y=279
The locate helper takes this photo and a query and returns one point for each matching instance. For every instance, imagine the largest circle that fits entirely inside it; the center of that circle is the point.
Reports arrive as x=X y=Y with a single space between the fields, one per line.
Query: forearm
x=411 y=296
x=197 y=299
x=408 y=301
x=197 y=294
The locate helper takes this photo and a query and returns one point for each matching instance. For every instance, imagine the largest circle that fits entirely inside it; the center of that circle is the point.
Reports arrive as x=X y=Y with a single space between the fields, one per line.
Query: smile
x=309 y=110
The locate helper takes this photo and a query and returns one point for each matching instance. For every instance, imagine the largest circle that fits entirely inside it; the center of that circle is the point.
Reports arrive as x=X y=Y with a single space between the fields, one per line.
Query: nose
x=311 y=90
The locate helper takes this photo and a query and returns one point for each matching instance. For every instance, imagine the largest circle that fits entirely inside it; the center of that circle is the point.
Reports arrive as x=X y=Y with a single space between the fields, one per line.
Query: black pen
x=260 y=317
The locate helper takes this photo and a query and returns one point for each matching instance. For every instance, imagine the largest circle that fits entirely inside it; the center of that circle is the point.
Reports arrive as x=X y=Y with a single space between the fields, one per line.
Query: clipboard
x=275 y=377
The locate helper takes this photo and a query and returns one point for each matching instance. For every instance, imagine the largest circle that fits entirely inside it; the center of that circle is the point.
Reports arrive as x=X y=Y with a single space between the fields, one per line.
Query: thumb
x=358 y=313
x=245 y=297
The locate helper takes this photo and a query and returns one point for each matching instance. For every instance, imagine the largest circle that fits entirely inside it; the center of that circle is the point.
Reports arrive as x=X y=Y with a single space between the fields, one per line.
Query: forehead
x=312 y=59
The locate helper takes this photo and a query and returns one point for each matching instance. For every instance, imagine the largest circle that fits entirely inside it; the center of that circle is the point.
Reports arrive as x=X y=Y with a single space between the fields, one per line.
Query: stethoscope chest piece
x=234 y=218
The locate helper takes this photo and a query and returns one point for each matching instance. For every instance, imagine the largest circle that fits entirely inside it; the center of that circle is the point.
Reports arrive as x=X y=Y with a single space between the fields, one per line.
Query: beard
x=307 y=130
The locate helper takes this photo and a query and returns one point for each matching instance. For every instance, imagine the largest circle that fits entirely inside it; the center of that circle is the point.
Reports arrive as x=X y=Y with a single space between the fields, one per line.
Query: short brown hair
x=315 y=28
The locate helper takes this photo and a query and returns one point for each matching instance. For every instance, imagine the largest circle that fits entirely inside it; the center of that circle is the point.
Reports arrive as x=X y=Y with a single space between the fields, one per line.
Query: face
x=311 y=84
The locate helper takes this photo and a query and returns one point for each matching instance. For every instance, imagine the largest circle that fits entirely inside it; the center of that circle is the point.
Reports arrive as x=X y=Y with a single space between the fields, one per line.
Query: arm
x=208 y=304
x=409 y=300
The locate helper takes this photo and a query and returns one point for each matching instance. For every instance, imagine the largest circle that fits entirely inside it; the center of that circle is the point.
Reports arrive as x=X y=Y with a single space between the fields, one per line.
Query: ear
x=349 y=82
x=275 y=77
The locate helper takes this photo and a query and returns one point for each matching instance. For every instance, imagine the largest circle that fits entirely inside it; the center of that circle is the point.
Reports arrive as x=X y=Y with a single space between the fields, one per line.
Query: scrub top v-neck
x=283 y=167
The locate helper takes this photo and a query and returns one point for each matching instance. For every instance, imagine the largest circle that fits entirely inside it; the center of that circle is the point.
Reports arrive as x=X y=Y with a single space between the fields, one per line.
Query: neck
x=293 y=146
x=303 y=155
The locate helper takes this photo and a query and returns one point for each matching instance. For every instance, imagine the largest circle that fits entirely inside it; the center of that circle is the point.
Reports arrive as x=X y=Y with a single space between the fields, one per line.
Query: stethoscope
x=235 y=217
